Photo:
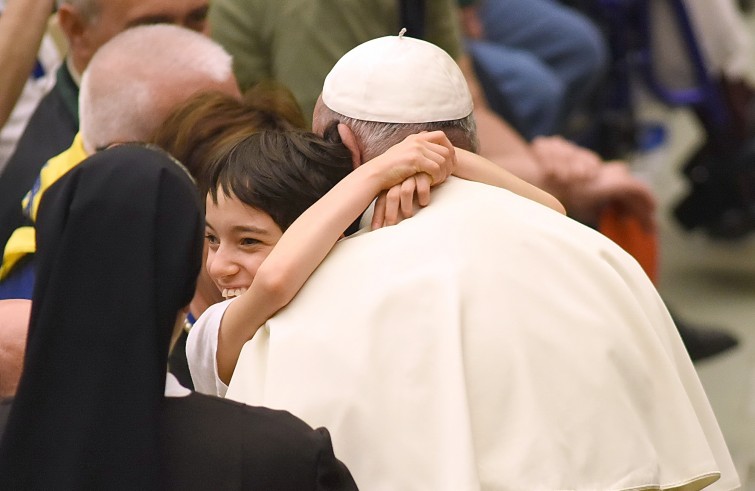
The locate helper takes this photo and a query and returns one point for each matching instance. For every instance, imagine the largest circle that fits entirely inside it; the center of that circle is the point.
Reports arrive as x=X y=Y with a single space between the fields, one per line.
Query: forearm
x=293 y=259
x=311 y=237
x=476 y=168
x=238 y=326
x=22 y=25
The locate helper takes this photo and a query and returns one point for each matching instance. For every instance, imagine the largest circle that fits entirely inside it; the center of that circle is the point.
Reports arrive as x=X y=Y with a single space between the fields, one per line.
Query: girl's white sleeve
x=202 y=348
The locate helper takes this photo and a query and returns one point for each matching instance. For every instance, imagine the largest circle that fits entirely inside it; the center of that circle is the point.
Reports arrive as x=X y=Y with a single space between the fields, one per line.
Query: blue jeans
x=537 y=62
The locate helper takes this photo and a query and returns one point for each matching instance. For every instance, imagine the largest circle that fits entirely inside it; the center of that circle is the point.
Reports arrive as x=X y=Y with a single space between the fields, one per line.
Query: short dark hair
x=282 y=173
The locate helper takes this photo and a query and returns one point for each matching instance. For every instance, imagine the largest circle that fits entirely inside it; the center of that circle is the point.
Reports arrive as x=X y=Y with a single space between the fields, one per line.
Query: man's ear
x=74 y=27
x=71 y=22
x=350 y=140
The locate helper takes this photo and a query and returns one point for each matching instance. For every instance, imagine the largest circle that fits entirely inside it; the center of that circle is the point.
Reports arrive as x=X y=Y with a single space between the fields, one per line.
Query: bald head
x=137 y=78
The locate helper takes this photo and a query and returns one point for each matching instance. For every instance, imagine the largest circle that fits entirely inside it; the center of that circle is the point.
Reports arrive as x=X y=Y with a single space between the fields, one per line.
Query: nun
x=119 y=249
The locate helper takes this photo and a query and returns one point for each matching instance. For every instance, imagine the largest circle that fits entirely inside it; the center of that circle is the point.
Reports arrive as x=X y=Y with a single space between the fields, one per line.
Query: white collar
x=173 y=387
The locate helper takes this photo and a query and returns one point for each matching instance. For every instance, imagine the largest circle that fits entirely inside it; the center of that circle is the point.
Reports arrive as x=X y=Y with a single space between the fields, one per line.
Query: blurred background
x=711 y=280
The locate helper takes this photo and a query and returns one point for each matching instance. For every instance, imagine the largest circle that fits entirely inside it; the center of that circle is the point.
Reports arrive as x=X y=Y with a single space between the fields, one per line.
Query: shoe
x=732 y=224
x=704 y=342
x=721 y=199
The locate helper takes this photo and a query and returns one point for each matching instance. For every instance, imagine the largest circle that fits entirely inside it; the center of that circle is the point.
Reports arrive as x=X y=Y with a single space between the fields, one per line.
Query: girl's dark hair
x=282 y=173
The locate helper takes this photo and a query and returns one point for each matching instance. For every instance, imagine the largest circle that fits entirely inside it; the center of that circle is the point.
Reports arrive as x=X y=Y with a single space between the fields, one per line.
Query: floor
x=710 y=282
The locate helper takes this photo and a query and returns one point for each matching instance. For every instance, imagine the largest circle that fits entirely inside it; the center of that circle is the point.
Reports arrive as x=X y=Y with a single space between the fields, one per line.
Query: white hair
x=377 y=137
x=129 y=76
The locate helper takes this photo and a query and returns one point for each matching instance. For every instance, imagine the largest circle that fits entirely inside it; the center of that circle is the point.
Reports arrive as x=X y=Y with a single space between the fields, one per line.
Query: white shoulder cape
x=489 y=343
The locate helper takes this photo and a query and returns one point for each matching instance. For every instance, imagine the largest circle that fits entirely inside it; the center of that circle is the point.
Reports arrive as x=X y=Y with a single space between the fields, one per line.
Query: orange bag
x=627 y=232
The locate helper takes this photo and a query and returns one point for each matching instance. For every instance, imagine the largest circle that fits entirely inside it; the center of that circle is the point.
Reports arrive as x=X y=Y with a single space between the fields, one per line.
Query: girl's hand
x=409 y=169
x=397 y=203
x=428 y=152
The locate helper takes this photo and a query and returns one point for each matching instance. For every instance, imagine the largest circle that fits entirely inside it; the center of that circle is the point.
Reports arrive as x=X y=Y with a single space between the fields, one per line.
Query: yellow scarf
x=23 y=240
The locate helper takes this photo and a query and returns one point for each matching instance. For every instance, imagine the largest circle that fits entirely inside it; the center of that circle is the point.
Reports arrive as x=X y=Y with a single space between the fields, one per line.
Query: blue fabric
x=20 y=282
x=38 y=71
x=541 y=57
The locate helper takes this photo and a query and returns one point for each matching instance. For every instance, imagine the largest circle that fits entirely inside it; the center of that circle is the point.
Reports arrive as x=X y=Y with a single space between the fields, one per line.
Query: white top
x=489 y=343
x=201 y=347
x=173 y=387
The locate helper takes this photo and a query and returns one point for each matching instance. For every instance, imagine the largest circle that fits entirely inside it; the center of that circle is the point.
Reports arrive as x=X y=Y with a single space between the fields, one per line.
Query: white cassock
x=487 y=343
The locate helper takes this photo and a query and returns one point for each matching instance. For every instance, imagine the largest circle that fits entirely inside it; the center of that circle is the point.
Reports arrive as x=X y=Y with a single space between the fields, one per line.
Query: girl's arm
x=472 y=167
x=397 y=203
x=309 y=239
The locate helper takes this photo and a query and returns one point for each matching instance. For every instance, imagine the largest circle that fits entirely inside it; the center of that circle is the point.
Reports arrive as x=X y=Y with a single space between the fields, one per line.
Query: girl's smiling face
x=239 y=237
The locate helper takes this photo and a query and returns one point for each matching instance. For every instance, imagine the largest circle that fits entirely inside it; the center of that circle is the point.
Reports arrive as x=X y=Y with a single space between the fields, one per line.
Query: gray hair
x=130 y=75
x=376 y=137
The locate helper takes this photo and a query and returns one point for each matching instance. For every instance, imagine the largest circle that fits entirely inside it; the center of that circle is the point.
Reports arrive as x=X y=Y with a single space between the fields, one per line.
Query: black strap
x=412 y=13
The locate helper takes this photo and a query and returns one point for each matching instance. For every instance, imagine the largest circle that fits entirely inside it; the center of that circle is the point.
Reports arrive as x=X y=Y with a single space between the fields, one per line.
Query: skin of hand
x=614 y=184
x=563 y=163
x=426 y=152
x=397 y=202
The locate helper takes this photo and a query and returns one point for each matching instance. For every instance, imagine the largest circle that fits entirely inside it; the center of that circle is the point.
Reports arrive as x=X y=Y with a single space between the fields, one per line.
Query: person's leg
x=518 y=87
x=560 y=37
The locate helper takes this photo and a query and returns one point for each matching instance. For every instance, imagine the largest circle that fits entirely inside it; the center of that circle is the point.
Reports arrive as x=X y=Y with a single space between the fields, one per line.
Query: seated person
x=538 y=61
x=93 y=409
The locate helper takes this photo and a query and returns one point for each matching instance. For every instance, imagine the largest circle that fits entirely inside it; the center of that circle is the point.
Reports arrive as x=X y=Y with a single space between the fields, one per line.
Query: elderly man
x=87 y=25
x=127 y=90
x=485 y=343
x=130 y=92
